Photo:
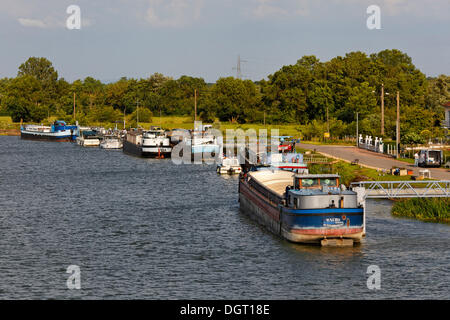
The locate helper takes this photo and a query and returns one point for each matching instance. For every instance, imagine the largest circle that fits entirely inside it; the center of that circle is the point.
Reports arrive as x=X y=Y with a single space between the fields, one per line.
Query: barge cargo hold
x=303 y=208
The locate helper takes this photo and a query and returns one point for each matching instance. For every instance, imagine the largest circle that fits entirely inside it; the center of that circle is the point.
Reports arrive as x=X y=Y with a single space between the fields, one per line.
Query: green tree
x=24 y=99
x=234 y=99
x=40 y=68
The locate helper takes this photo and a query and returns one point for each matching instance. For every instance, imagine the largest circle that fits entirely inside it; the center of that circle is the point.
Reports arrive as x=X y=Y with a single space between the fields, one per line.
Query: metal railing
x=404 y=189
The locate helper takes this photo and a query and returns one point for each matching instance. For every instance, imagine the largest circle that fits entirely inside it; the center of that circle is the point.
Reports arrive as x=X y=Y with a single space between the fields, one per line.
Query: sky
x=203 y=38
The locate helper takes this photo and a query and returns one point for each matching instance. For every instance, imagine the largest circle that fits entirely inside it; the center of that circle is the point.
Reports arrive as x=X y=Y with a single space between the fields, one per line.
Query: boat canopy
x=60 y=123
x=89 y=133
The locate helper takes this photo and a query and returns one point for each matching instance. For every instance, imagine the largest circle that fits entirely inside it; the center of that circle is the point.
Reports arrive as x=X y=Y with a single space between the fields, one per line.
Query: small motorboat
x=229 y=166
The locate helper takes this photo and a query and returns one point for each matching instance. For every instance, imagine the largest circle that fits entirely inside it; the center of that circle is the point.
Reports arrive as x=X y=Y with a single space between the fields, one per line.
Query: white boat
x=88 y=138
x=111 y=142
x=155 y=143
x=287 y=161
x=58 y=131
x=229 y=166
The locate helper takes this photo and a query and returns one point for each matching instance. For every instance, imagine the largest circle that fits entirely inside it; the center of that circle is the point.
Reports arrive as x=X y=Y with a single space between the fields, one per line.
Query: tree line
x=313 y=94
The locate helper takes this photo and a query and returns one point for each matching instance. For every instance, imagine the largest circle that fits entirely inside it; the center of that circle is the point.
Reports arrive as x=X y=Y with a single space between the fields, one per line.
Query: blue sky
x=136 y=38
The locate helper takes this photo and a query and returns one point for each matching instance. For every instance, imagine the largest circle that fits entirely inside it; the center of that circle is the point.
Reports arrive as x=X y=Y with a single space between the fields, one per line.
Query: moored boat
x=204 y=146
x=111 y=142
x=287 y=161
x=152 y=143
x=156 y=144
x=303 y=208
x=88 y=138
x=58 y=131
x=229 y=165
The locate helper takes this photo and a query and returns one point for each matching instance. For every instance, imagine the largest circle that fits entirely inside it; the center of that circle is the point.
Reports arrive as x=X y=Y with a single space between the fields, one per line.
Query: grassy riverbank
x=173 y=122
x=424 y=209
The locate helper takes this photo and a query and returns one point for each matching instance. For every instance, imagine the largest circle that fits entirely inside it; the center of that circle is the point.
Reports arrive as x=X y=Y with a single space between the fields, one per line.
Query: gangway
x=403 y=189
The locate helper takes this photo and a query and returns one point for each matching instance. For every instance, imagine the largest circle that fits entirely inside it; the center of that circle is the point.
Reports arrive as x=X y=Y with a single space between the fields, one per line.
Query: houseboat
x=303 y=208
x=152 y=143
x=58 y=131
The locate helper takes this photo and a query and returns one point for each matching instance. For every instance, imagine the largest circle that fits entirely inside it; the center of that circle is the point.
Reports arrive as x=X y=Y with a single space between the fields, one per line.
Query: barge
x=303 y=208
x=58 y=131
x=150 y=144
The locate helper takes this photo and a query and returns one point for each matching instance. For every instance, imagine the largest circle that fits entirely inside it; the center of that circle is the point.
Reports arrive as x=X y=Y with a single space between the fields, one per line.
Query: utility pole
x=74 y=115
x=137 y=113
x=328 y=124
x=382 y=109
x=195 y=105
x=398 y=125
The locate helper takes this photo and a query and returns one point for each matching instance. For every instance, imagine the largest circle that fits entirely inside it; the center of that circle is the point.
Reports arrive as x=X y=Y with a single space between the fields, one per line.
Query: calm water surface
x=149 y=229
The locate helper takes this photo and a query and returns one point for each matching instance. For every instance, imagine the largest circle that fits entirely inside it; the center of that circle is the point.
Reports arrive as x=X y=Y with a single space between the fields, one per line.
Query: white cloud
x=44 y=15
x=279 y=8
x=264 y=9
x=173 y=13
x=32 y=23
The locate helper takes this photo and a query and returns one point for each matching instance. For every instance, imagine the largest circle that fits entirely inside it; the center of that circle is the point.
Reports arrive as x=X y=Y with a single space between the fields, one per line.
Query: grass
x=330 y=142
x=7 y=127
x=186 y=122
x=407 y=160
x=424 y=209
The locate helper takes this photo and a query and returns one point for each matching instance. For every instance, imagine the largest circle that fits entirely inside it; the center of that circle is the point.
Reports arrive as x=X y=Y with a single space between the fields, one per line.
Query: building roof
x=446 y=104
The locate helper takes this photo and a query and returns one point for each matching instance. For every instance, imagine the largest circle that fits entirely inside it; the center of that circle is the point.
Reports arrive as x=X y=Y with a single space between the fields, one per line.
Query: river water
x=150 y=229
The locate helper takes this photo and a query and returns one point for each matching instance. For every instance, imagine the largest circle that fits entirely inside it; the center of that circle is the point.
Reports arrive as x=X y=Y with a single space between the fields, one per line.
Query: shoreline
x=9 y=132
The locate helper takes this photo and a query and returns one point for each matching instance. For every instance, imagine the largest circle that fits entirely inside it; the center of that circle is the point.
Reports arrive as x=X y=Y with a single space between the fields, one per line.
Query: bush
x=424 y=209
x=145 y=115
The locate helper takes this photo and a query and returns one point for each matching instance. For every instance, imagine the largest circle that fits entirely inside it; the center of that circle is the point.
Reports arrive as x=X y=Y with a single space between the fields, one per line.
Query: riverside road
x=371 y=159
